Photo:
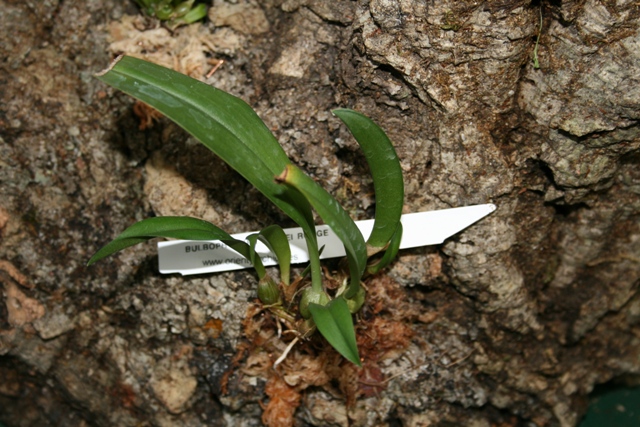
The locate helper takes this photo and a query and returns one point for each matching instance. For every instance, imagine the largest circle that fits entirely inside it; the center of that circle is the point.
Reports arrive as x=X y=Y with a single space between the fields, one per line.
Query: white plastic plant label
x=420 y=229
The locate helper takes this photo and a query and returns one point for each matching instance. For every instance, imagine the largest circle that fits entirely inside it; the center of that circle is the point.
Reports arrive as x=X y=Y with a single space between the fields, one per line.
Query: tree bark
x=512 y=322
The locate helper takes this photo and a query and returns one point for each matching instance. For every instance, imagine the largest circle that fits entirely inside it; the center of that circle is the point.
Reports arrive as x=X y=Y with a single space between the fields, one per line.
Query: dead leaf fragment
x=284 y=400
x=21 y=309
x=13 y=272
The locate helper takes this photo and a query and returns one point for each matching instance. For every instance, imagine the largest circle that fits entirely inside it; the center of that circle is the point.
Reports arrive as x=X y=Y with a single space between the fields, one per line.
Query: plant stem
x=314 y=263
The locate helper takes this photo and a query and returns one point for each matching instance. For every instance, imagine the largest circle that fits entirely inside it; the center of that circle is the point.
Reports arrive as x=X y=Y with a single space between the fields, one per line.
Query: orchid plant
x=233 y=131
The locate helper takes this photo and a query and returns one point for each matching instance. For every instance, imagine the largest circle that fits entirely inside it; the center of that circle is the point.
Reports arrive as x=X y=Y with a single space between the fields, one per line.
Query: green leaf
x=335 y=324
x=226 y=125
x=276 y=240
x=386 y=172
x=389 y=254
x=173 y=227
x=336 y=217
x=254 y=257
x=195 y=14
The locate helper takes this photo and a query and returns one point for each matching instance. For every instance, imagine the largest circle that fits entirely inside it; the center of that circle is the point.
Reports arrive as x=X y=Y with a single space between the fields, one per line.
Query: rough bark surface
x=513 y=322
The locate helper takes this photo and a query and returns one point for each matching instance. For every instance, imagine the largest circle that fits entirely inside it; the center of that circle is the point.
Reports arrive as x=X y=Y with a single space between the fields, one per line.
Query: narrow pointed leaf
x=198 y=12
x=227 y=125
x=254 y=257
x=385 y=170
x=115 y=246
x=389 y=254
x=173 y=227
x=276 y=240
x=336 y=217
x=335 y=323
